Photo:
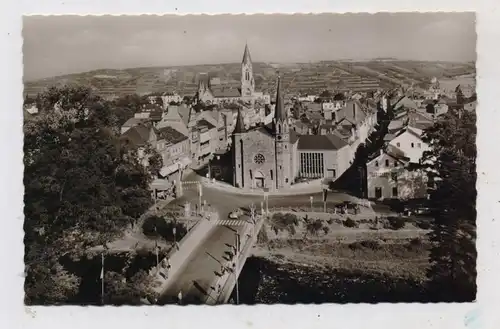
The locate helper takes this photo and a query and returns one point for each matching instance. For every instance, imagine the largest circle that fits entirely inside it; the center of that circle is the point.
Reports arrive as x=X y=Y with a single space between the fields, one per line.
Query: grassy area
x=396 y=247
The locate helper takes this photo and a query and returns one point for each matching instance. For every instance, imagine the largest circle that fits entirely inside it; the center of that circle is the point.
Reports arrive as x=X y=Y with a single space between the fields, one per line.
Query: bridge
x=204 y=268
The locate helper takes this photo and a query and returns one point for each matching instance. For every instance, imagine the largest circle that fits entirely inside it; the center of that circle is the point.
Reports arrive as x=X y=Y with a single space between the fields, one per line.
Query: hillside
x=297 y=78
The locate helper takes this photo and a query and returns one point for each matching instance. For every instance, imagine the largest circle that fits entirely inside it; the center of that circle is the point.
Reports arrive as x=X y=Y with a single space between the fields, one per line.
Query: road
x=205 y=263
x=225 y=202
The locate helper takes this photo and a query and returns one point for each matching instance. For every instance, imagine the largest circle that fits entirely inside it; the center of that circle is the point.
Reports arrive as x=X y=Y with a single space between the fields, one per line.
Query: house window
x=271 y=175
x=419 y=145
x=398 y=144
x=412 y=145
x=286 y=180
x=387 y=163
x=376 y=163
x=395 y=163
x=394 y=191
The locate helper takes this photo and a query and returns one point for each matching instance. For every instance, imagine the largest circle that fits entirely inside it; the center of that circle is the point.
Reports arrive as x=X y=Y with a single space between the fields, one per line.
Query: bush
x=283 y=220
x=314 y=227
x=330 y=221
x=414 y=244
x=156 y=226
x=371 y=244
x=424 y=225
x=396 y=223
x=326 y=229
x=349 y=223
x=262 y=236
x=356 y=245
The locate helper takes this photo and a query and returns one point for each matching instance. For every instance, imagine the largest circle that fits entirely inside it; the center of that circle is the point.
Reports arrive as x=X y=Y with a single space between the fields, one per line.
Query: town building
x=263 y=156
x=389 y=177
x=213 y=92
x=408 y=143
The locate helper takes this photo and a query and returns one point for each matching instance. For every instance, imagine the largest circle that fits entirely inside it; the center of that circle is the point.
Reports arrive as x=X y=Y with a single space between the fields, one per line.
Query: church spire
x=279 y=112
x=240 y=126
x=246 y=55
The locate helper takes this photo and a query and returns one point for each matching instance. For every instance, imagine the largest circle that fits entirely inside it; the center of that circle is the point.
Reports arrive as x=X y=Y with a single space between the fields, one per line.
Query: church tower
x=281 y=131
x=237 y=146
x=247 y=80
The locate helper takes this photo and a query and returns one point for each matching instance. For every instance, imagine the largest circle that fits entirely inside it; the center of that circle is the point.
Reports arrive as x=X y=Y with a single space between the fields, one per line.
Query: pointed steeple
x=240 y=126
x=279 y=111
x=246 y=55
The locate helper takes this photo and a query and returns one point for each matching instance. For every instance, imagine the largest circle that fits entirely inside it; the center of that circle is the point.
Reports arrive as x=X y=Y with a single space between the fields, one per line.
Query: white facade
x=410 y=144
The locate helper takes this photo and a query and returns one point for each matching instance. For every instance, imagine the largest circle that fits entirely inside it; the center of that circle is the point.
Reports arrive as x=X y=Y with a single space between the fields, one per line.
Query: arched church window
x=259 y=158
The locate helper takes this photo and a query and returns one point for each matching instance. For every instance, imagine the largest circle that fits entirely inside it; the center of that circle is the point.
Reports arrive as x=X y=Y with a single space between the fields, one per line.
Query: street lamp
x=237 y=237
x=311 y=198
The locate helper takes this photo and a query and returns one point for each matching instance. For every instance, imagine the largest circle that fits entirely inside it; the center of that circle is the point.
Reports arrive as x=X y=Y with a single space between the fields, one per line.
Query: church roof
x=320 y=142
x=246 y=56
x=279 y=110
x=223 y=92
x=240 y=126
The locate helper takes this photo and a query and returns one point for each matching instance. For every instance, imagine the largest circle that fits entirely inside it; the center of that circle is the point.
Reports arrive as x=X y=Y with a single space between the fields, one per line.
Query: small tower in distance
x=247 y=80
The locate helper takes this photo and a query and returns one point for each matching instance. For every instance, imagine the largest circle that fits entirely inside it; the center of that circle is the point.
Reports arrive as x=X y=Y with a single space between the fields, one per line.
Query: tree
x=451 y=166
x=187 y=100
x=159 y=101
x=120 y=290
x=82 y=187
x=154 y=160
x=126 y=106
x=325 y=94
x=339 y=97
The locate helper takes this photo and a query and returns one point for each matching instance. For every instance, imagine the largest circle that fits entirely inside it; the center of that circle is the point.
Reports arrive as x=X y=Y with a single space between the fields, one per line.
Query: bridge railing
x=223 y=285
x=177 y=257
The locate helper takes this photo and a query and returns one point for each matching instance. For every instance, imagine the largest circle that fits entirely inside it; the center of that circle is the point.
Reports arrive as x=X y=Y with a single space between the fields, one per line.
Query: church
x=265 y=156
x=214 y=92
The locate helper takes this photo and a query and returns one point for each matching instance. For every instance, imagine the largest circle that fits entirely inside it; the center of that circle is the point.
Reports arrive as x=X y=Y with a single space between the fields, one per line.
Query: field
x=297 y=78
x=374 y=246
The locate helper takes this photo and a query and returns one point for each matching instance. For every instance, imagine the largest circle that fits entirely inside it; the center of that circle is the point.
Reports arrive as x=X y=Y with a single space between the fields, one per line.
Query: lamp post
x=236 y=267
x=311 y=199
x=200 y=194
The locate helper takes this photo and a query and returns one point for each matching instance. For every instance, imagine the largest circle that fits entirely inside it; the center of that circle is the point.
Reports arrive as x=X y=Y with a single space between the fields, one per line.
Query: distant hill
x=296 y=77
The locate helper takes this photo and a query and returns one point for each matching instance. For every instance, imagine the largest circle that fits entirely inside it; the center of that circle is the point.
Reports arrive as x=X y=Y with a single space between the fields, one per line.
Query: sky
x=58 y=45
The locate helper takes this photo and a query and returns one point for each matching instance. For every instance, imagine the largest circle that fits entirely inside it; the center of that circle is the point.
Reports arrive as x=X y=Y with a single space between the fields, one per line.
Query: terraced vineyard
x=297 y=78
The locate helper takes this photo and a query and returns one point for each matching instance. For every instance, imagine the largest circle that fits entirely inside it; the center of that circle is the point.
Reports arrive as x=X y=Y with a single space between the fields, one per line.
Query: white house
x=408 y=143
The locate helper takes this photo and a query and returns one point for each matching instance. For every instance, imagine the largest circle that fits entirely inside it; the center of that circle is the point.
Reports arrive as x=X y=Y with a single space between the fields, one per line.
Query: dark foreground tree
x=82 y=187
x=452 y=162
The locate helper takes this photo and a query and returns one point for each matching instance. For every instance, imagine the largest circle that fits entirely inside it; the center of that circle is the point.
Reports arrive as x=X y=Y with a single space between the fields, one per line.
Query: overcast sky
x=56 y=45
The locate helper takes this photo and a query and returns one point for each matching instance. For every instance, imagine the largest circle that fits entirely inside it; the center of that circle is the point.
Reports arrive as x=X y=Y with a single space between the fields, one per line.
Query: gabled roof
x=137 y=135
x=171 y=135
x=184 y=113
x=395 y=125
x=406 y=102
x=320 y=142
x=133 y=122
x=387 y=154
x=204 y=123
x=224 y=92
x=173 y=114
x=294 y=137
